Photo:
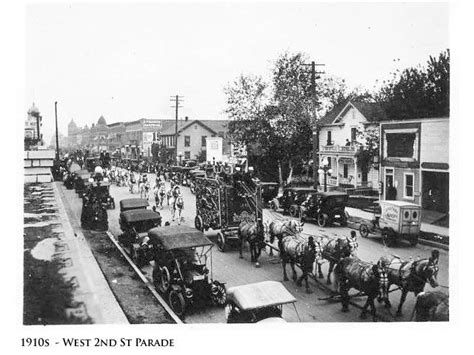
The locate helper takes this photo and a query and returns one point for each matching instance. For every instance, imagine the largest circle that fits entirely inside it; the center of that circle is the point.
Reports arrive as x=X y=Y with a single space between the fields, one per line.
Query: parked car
x=258 y=302
x=268 y=191
x=292 y=199
x=326 y=208
x=133 y=204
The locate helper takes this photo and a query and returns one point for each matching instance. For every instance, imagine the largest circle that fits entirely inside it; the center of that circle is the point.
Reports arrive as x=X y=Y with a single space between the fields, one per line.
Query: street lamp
x=325 y=169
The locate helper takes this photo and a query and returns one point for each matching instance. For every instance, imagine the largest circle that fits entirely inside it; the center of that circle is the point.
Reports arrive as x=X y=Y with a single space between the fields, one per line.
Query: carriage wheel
x=322 y=220
x=177 y=302
x=198 y=223
x=219 y=296
x=221 y=242
x=161 y=278
x=293 y=211
x=364 y=230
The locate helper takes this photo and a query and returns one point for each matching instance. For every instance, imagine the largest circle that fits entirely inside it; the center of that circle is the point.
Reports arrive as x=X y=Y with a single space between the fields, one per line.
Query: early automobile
x=81 y=181
x=101 y=190
x=133 y=204
x=94 y=215
x=326 y=208
x=183 y=267
x=260 y=302
x=394 y=220
x=135 y=225
x=292 y=199
x=269 y=191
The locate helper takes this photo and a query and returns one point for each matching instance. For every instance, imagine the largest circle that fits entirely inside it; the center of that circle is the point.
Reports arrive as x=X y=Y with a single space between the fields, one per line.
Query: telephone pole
x=315 y=75
x=177 y=100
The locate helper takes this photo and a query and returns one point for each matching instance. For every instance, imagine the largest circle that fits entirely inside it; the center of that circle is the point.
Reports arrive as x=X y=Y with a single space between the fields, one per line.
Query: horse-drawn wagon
x=257 y=302
x=183 y=267
x=394 y=220
x=224 y=206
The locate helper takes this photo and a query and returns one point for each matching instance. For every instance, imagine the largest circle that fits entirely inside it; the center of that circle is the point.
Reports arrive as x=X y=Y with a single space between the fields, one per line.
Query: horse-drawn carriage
x=183 y=267
x=135 y=224
x=257 y=302
x=100 y=189
x=222 y=206
x=394 y=220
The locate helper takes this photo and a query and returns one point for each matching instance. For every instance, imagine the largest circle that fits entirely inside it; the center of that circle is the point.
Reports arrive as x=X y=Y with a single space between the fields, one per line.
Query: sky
x=126 y=61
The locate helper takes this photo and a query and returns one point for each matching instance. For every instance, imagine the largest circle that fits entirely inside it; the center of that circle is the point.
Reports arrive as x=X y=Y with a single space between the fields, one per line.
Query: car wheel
x=364 y=230
x=293 y=211
x=161 y=278
x=198 y=223
x=221 y=242
x=177 y=302
x=322 y=220
x=219 y=294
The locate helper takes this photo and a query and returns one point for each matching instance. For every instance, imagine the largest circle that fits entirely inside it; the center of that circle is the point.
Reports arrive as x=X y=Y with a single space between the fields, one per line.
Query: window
x=203 y=141
x=409 y=185
x=187 y=141
x=400 y=145
x=329 y=140
x=187 y=155
x=346 y=171
x=353 y=134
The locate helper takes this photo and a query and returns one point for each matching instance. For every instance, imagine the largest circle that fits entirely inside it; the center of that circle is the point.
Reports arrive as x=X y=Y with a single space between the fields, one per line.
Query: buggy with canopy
x=181 y=270
x=258 y=302
x=135 y=225
x=133 y=204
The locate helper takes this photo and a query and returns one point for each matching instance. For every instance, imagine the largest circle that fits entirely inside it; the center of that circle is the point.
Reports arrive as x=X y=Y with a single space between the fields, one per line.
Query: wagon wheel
x=364 y=230
x=198 y=223
x=219 y=294
x=293 y=211
x=161 y=278
x=221 y=241
x=177 y=302
x=322 y=220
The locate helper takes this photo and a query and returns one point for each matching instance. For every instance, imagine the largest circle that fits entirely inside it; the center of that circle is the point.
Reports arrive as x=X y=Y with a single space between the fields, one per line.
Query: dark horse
x=333 y=251
x=298 y=250
x=412 y=276
x=253 y=233
x=431 y=307
x=351 y=272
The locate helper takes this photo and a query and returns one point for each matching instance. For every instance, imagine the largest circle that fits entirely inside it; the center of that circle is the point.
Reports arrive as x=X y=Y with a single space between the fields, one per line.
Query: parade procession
x=302 y=194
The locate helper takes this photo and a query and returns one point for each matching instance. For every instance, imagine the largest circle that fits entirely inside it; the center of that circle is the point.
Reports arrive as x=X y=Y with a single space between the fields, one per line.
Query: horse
x=333 y=251
x=351 y=272
x=298 y=250
x=144 y=190
x=178 y=205
x=253 y=233
x=412 y=276
x=280 y=229
x=431 y=307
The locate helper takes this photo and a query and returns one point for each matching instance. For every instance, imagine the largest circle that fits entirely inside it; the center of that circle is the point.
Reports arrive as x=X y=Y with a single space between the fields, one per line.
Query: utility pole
x=315 y=75
x=177 y=100
x=57 y=137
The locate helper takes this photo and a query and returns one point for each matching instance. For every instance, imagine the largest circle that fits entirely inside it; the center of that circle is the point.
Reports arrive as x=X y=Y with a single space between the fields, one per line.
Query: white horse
x=144 y=190
x=178 y=205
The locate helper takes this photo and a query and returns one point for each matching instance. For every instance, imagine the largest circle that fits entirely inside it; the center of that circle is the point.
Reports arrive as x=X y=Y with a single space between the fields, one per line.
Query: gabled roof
x=213 y=126
x=372 y=111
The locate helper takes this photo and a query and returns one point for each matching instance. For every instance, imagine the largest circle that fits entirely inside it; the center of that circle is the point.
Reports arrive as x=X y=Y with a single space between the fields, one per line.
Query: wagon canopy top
x=133 y=203
x=178 y=237
x=140 y=215
x=260 y=295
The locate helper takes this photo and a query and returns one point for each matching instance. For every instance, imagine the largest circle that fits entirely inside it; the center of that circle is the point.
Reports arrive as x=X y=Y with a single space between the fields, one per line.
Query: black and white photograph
x=188 y=164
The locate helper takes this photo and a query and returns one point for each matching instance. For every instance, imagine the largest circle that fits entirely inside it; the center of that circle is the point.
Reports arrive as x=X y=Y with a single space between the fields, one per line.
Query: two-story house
x=415 y=162
x=339 y=144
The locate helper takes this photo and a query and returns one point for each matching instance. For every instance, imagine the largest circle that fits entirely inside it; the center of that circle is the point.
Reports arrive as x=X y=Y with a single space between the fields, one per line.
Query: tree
x=418 y=92
x=369 y=139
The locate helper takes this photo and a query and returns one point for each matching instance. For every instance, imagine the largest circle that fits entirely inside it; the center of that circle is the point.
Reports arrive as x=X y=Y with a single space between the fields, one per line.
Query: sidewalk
x=425 y=227
x=94 y=298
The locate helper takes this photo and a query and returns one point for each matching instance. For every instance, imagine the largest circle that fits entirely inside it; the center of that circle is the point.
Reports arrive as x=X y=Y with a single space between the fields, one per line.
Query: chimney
x=186 y=118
